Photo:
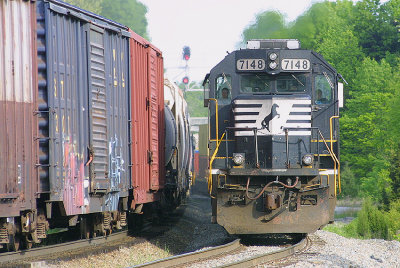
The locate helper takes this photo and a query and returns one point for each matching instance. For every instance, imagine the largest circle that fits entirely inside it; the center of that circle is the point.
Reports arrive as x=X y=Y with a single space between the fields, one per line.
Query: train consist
x=86 y=136
x=273 y=139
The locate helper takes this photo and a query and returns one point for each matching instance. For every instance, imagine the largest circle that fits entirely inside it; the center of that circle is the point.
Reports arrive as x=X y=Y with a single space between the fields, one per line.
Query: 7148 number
x=295 y=64
x=250 y=64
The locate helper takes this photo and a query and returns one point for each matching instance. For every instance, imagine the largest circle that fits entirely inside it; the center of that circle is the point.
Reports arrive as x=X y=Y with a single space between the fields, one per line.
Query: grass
x=371 y=223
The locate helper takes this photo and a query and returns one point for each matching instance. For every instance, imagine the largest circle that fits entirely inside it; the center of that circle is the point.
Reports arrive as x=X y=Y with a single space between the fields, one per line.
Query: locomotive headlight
x=238 y=159
x=308 y=159
x=273 y=65
x=273 y=56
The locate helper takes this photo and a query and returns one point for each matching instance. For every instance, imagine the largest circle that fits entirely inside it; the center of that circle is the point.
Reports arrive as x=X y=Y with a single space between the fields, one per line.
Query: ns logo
x=269 y=117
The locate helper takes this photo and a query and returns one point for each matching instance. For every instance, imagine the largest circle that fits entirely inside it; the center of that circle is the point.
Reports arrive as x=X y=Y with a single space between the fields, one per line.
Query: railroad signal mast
x=186 y=57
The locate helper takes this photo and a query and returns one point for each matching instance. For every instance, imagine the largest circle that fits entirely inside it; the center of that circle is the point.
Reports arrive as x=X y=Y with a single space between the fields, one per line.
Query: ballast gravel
x=336 y=251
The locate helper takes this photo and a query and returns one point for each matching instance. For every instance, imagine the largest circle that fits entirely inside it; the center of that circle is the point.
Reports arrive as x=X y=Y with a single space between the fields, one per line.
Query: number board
x=295 y=64
x=250 y=64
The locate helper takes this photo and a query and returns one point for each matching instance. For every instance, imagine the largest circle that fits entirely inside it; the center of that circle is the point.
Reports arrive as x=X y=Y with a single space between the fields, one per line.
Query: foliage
x=127 y=12
x=195 y=101
x=90 y=5
x=267 y=25
x=394 y=219
x=350 y=187
x=371 y=223
x=374 y=26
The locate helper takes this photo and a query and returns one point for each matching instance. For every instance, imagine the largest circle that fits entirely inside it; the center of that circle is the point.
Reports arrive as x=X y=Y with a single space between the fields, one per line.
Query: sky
x=209 y=27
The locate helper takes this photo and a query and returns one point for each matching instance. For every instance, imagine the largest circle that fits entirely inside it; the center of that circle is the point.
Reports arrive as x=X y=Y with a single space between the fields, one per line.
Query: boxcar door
x=98 y=113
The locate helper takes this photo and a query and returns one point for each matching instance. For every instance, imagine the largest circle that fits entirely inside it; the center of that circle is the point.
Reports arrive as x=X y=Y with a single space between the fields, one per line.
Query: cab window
x=255 y=83
x=323 y=89
x=223 y=86
x=291 y=83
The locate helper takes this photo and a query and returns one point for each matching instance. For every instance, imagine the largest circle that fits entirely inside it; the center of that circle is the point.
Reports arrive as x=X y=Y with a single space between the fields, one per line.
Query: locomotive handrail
x=218 y=142
x=331 y=136
x=334 y=161
x=210 y=166
x=254 y=129
x=331 y=153
x=216 y=118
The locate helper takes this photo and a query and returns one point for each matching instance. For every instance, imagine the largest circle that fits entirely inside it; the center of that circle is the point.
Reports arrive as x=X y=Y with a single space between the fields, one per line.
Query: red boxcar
x=18 y=121
x=147 y=122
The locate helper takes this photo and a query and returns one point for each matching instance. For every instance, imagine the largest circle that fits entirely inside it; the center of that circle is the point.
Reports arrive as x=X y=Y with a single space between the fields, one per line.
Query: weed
x=371 y=223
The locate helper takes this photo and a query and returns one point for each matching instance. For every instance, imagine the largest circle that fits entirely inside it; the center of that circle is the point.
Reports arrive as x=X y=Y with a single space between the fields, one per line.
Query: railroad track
x=234 y=246
x=46 y=251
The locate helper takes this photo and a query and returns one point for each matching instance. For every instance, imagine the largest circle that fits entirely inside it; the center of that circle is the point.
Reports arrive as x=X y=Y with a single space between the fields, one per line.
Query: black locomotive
x=273 y=139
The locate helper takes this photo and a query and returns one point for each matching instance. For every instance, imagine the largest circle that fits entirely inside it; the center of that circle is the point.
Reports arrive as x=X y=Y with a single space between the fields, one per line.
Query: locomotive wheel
x=85 y=228
x=14 y=237
x=28 y=243
x=14 y=242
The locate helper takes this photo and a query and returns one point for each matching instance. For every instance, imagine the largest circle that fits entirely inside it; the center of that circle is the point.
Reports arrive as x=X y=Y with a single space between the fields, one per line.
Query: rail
x=193 y=256
x=186 y=259
x=44 y=251
x=271 y=256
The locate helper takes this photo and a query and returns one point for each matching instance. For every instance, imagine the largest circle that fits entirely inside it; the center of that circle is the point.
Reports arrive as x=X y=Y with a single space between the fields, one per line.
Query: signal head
x=186 y=53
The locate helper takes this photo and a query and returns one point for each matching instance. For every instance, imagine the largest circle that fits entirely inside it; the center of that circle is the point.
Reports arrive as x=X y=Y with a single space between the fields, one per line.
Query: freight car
x=82 y=133
x=179 y=146
x=273 y=139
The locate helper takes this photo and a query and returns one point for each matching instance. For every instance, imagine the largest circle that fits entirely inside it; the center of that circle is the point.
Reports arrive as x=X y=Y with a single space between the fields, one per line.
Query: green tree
x=270 y=24
x=374 y=26
x=128 y=12
x=364 y=126
x=90 y=5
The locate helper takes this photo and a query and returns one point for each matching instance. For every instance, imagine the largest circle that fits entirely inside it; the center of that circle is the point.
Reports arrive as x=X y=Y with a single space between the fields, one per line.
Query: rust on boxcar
x=147 y=113
x=18 y=123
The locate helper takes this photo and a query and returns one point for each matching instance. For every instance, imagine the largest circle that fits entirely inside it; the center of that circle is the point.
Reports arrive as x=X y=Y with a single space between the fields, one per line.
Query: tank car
x=178 y=152
x=273 y=139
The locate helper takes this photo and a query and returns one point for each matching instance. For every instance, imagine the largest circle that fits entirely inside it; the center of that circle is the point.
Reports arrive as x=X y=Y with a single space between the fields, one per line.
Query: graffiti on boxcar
x=75 y=194
x=116 y=166
x=116 y=162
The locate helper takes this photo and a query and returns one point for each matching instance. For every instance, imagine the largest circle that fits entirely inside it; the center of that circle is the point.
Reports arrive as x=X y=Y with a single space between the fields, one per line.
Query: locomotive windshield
x=283 y=83
x=255 y=83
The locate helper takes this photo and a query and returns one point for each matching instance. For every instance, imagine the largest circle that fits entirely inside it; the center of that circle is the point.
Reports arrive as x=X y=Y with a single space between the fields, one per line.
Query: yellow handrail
x=337 y=182
x=217 y=147
x=210 y=166
x=216 y=118
x=332 y=155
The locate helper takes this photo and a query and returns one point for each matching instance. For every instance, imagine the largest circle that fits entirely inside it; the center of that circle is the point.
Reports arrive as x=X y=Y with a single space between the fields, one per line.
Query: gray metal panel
x=66 y=110
x=98 y=111
x=117 y=92
x=109 y=96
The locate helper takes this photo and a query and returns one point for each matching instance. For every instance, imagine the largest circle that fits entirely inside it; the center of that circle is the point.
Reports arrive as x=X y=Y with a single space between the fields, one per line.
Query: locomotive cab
x=273 y=139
